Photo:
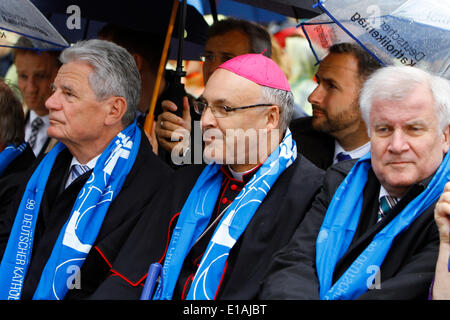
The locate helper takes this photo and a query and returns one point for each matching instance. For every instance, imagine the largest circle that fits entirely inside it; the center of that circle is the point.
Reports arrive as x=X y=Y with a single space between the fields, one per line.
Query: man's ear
x=446 y=137
x=273 y=118
x=116 y=108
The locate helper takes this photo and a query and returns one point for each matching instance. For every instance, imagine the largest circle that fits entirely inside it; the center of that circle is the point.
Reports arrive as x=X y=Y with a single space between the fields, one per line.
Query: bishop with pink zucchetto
x=232 y=215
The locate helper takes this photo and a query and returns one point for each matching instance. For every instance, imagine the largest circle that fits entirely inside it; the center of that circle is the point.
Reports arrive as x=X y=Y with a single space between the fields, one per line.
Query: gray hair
x=115 y=72
x=284 y=100
x=395 y=83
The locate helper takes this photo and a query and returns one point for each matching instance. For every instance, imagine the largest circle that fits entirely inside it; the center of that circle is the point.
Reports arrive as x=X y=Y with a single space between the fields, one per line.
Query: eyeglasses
x=221 y=111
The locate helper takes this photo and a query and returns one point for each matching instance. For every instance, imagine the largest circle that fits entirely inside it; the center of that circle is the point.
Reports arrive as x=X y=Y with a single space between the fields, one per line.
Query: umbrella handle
x=148 y=124
x=153 y=272
x=150 y=117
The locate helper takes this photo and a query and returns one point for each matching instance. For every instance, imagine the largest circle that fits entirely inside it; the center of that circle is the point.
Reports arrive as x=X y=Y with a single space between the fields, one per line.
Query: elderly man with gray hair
x=371 y=233
x=80 y=201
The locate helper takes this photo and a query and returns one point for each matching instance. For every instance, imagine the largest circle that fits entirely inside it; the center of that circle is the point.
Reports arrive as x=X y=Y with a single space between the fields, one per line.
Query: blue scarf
x=9 y=154
x=79 y=232
x=196 y=213
x=341 y=221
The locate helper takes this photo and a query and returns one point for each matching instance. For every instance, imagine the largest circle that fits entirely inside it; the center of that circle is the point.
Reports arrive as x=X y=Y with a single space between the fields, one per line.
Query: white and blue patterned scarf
x=10 y=153
x=196 y=213
x=341 y=221
x=79 y=233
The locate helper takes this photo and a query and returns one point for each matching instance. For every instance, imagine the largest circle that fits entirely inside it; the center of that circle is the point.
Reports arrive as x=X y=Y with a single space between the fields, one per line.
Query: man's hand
x=441 y=286
x=442 y=214
x=171 y=129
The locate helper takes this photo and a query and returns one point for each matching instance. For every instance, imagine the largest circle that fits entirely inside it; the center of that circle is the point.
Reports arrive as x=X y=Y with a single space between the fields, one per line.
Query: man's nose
x=30 y=84
x=316 y=96
x=208 y=120
x=52 y=102
x=399 y=142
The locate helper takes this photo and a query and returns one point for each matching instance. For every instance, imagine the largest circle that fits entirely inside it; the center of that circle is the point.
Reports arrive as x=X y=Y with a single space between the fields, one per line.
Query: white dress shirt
x=355 y=154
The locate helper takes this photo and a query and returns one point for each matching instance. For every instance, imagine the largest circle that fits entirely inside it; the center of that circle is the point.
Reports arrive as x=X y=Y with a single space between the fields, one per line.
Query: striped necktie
x=35 y=126
x=386 y=204
x=76 y=171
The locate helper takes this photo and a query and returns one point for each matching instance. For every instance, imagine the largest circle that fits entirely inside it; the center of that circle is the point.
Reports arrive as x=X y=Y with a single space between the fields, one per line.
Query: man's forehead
x=417 y=106
x=73 y=72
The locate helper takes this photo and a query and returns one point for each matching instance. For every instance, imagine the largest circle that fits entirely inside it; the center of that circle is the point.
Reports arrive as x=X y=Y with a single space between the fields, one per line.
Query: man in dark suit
x=336 y=132
x=35 y=73
x=373 y=236
x=91 y=186
x=242 y=204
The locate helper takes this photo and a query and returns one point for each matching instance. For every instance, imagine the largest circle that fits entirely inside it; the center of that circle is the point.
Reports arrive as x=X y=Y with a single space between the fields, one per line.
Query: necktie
x=386 y=204
x=76 y=171
x=35 y=126
x=341 y=156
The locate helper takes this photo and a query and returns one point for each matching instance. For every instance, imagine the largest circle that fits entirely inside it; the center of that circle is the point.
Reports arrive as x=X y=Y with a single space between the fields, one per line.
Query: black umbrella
x=148 y=16
x=298 y=9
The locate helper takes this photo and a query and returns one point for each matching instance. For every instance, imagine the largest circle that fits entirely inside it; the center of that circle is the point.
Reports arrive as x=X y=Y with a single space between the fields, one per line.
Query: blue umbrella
x=395 y=32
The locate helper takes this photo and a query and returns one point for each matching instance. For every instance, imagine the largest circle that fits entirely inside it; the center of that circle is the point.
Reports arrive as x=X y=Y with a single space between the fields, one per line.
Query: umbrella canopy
x=230 y=8
x=298 y=9
x=395 y=32
x=148 y=16
x=23 y=18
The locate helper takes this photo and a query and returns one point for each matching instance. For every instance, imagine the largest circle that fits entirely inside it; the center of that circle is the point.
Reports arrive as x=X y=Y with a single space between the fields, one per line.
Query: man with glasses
x=234 y=213
x=226 y=39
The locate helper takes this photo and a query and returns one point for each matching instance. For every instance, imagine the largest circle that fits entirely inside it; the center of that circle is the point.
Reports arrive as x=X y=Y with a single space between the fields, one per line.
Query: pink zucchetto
x=258 y=69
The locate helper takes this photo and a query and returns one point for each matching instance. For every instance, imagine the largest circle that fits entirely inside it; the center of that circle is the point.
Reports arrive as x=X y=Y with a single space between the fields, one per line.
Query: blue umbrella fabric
x=23 y=18
x=396 y=32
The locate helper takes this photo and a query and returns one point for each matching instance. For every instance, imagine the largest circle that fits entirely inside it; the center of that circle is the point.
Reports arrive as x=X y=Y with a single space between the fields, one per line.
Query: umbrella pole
x=149 y=120
x=213 y=7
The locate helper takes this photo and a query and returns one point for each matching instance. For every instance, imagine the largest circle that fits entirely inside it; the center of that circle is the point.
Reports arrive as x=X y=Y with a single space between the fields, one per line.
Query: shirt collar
x=90 y=164
x=355 y=153
x=34 y=115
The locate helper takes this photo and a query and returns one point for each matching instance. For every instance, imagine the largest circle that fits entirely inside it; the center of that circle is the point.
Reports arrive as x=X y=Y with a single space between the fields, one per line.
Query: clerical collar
x=241 y=176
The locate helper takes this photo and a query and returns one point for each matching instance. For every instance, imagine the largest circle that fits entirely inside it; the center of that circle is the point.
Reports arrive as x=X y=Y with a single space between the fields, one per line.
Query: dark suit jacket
x=407 y=270
x=12 y=178
x=270 y=228
x=316 y=146
x=147 y=175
